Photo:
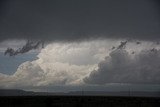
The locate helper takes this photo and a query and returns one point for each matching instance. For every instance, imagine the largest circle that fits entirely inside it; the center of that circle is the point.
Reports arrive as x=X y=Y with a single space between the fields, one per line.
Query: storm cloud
x=26 y=48
x=88 y=63
x=122 y=67
x=73 y=20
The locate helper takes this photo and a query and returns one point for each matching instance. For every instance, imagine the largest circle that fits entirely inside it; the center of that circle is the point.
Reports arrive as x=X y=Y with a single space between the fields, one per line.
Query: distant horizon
x=108 y=88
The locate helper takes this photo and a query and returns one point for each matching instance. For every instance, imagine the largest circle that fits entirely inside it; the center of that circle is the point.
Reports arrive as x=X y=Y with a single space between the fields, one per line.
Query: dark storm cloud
x=79 y=19
x=122 y=45
x=26 y=48
x=120 y=67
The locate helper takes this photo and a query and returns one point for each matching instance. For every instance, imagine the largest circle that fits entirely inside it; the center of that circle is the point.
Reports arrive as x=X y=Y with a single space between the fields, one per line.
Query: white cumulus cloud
x=90 y=62
x=58 y=64
x=122 y=67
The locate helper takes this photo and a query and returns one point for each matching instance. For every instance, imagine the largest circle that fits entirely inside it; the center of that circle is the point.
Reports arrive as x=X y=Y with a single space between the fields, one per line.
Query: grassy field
x=78 y=101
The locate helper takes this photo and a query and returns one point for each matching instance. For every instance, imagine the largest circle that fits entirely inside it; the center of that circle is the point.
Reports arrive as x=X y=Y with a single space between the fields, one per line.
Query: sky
x=87 y=43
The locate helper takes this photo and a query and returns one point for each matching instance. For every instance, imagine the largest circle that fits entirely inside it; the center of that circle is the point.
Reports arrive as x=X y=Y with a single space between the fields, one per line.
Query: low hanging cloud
x=122 y=67
x=85 y=63
x=58 y=64
x=26 y=48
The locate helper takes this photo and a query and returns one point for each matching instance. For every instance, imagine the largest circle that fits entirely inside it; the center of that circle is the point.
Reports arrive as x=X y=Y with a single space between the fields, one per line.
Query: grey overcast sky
x=120 y=44
x=67 y=20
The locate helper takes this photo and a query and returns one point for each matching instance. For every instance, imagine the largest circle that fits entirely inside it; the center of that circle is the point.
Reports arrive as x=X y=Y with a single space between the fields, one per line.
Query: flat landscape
x=78 y=101
x=21 y=98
